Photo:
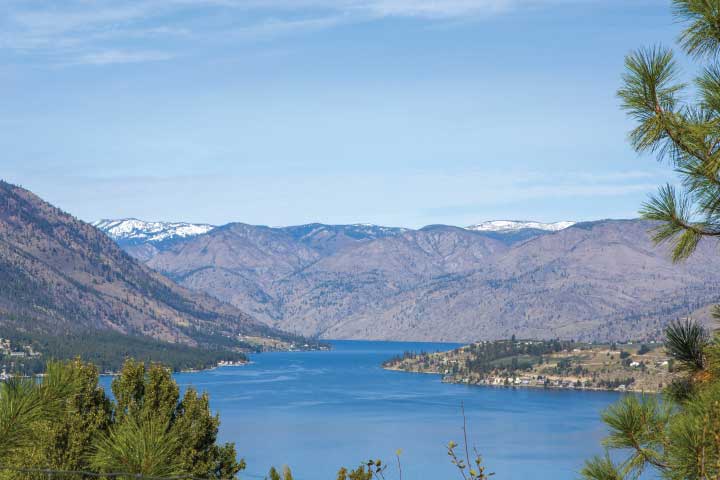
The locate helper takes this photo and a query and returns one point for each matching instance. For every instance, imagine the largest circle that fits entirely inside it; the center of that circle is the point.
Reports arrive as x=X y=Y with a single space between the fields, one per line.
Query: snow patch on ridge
x=132 y=229
x=515 y=225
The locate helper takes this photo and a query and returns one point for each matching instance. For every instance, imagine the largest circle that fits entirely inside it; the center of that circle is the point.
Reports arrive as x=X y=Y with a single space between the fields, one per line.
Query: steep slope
x=59 y=274
x=237 y=263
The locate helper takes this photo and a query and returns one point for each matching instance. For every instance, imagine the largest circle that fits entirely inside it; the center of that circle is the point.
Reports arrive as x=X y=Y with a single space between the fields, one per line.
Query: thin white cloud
x=77 y=27
x=111 y=57
x=276 y=27
x=439 y=9
x=54 y=21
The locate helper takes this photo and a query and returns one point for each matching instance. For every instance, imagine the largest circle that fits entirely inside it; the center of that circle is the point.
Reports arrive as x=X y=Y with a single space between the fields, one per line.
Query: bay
x=318 y=411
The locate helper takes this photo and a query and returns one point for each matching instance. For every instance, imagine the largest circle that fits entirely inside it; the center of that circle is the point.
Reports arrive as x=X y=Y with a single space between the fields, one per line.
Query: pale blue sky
x=398 y=112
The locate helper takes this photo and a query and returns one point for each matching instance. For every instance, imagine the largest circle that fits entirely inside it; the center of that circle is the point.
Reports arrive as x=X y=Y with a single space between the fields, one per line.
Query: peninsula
x=637 y=367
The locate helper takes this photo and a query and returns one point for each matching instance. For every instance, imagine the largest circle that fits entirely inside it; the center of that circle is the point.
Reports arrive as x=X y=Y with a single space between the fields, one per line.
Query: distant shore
x=630 y=367
x=521 y=384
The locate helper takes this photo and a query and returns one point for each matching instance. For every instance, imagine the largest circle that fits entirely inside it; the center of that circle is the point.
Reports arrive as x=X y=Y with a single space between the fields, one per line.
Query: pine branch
x=674 y=211
x=686 y=342
x=702 y=37
x=638 y=425
x=601 y=468
x=649 y=95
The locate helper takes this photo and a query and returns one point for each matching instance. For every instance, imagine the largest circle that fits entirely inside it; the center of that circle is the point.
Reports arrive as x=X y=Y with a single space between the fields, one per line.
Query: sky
x=283 y=112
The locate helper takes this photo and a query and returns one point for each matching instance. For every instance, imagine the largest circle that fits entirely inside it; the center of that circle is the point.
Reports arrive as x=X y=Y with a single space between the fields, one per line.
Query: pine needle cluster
x=680 y=123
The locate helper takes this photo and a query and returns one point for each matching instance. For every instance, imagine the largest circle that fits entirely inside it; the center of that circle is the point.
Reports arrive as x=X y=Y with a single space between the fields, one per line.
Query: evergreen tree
x=273 y=474
x=678 y=437
x=87 y=415
x=140 y=447
x=687 y=134
x=66 y=422
x=151 y=394
x=26 y=406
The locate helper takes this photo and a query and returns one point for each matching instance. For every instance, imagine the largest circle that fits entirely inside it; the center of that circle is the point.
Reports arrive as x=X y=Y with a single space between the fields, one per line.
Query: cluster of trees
x=108 y=350
x=615 y=383
x=565 y=367
x=510 y=355
x=643 y=349
x=67 y=422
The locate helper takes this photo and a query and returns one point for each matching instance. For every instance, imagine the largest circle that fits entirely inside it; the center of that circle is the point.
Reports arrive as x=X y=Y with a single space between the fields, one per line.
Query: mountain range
x=602 y=280
x=59 y=275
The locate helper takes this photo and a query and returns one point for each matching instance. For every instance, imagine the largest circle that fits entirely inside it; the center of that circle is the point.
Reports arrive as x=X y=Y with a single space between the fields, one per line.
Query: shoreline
x=189 y=370
x=220 y=364
x=544 y=386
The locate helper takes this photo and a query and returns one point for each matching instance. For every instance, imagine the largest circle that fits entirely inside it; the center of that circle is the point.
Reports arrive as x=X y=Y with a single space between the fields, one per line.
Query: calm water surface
x=317 y=411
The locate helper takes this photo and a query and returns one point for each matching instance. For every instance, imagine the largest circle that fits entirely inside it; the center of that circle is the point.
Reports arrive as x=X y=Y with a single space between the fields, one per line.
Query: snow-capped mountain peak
x=515 y=225
x=132 y=230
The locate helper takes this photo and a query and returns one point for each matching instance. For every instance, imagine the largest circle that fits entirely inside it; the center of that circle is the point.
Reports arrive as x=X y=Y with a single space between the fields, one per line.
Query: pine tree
x=150 y=395
x=678 y=437
x=26 y=406
x=687 y=134
x=66 y=422
x=65 y=441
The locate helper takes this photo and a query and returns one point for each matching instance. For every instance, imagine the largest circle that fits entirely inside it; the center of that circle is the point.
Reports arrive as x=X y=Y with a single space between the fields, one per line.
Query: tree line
x=108 y=350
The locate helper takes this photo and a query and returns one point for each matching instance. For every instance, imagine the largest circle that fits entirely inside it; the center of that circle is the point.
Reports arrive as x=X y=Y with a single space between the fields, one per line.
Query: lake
x=317 y=411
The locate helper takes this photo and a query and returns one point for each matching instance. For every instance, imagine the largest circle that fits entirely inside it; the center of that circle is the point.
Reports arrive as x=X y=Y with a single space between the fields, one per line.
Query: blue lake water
x=317 y=411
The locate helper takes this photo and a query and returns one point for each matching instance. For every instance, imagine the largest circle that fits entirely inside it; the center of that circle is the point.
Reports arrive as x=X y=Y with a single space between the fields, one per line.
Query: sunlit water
x=317 y=411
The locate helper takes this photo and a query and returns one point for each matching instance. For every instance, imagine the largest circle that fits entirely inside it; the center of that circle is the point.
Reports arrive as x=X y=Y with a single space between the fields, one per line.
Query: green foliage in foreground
x=66 y=422
x=108 y=350
x=679 y=436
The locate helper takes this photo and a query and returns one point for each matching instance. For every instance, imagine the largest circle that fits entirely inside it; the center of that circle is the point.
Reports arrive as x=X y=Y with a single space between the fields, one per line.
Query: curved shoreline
x=566 y=385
